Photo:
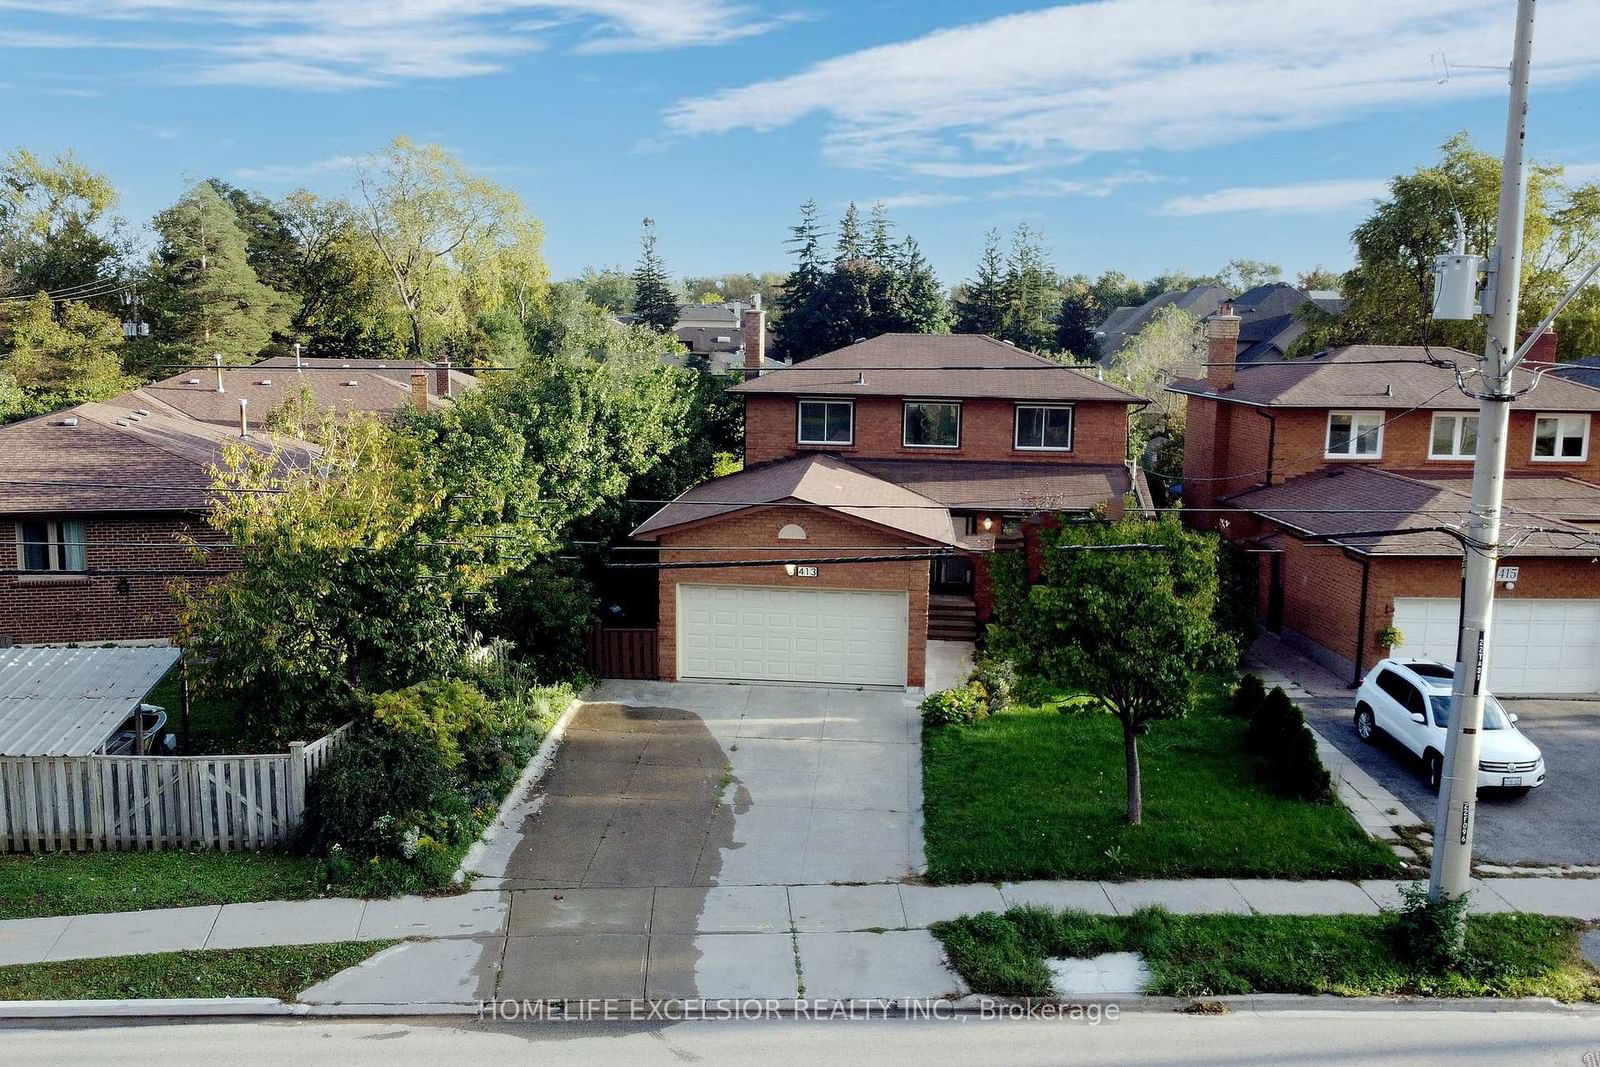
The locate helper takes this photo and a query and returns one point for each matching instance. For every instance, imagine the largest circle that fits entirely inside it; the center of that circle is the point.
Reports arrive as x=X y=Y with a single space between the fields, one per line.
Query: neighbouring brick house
x=1310 y=464
x=104 y=504
x=894 y=466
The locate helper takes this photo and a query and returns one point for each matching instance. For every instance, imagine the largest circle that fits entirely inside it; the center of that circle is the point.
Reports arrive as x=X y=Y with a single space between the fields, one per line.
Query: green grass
x=84 y=882
x=1033 y=793
x=1513 y=955
x=244 y=972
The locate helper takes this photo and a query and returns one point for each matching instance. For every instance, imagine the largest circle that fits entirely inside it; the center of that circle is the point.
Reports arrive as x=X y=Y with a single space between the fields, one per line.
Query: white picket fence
x=87 y=803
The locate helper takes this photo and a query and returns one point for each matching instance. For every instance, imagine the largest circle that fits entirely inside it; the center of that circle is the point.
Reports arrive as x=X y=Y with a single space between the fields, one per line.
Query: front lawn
x=243 y=972
x=1512 y=955
x=86 y=882
x=1033 y=793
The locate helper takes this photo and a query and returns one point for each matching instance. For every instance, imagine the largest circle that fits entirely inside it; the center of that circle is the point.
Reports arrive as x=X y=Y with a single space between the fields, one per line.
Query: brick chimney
x=441 y=378
x=419 y=390
x=1544 y=349
x=753 y=331
x=1222 y=348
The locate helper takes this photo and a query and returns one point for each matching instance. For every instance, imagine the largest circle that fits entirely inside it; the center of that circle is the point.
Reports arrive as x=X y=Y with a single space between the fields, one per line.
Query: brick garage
x=743 y=535
x=120 y=605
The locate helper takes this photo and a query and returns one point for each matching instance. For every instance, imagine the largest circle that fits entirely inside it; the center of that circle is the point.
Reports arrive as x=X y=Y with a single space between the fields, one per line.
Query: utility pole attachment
x=1458 y=783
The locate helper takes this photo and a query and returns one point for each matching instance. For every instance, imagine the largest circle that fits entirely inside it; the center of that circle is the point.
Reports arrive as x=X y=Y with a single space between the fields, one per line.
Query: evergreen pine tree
x=1032 y=299
x=1076 y=321
x=653 y=300
x=919 y=304
x=204 y=296
x=797 y=334
x=981 y=305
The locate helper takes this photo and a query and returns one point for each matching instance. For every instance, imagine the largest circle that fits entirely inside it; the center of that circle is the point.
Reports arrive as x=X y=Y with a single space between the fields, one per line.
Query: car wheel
x=1435 y=771
x=1366 y=726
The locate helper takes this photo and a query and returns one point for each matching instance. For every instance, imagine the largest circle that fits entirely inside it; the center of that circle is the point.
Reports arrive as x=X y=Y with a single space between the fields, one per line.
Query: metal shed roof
x=68 y=701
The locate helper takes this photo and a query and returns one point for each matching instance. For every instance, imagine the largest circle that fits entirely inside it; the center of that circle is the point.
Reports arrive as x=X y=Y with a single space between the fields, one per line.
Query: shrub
x=372 y=789
x=442 y=711
x=962 y=704
x=1248 y=696
x=1429 y=932
x=999 y=680
x=1287 y=750
x=545 y=610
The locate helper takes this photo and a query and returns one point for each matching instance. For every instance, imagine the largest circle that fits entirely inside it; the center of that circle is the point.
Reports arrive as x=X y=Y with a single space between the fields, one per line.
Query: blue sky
x=1139 y=135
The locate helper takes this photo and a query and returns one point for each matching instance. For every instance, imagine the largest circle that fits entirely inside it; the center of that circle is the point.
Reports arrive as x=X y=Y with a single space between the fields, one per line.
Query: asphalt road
x=1394 y=1038
x=1557 y=823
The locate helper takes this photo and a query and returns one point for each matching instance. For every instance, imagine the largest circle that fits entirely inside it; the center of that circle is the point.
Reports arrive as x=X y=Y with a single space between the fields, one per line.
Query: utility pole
x=1458 y=782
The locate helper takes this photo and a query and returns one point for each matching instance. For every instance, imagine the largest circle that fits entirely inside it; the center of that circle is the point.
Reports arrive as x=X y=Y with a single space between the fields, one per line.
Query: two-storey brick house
x=103 y=505
x=1348 y=475
x=876 y=479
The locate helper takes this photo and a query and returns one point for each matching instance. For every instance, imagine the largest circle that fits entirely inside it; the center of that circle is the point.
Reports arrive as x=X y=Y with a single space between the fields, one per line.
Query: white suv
x=1410 y=701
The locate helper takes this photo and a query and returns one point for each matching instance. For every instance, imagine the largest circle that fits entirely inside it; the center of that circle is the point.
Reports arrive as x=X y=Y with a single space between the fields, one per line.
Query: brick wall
x=111 y=607
x=1100 y=432
x=1301 y=438
x=1322 y=595
x=826 y=533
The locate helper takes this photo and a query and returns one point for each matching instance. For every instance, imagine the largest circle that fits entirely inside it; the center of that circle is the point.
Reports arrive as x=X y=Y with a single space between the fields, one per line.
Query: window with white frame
x=1558 y=438
x=1044 y=427
x=49 y=545
x=1355 y=434
x=932 y=424
x=1454 y=436
x=827 y=422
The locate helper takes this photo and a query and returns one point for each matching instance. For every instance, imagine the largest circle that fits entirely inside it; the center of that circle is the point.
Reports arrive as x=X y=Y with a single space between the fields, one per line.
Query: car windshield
x=1494 y=716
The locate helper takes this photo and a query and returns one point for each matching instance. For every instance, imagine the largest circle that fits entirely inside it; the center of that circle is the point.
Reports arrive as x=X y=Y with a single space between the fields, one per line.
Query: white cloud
x=1296 y=198
x=916 y=200
x=1130 y=75
x=1576 y=173
x=286 y=173
x=1102 y=186
x=343 y=44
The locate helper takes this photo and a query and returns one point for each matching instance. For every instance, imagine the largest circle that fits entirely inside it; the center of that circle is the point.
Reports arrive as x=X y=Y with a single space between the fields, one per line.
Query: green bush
x=962 y=704
x=372 y=790
x=1428 y=932
x=999 y=680
x=444 y=712
x=1247 y=698
x=1286 y=749
x=544 y=610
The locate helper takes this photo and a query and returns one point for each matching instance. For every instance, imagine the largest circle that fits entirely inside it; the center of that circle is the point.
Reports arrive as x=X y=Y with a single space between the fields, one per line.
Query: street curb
x=511 y=813
x=969 y=1005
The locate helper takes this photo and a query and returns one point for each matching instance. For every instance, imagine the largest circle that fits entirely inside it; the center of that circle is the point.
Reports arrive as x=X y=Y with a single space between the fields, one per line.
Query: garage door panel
x=1539 y=646
x=804 y=635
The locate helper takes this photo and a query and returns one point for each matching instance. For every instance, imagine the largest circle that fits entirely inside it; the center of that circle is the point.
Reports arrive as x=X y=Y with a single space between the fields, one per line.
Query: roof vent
x=122 y=422
x=858 y=340
x=191 y=381
x=70 y=420
x=142 y=412
x=383 y=366
x=1013 y=344
x=1388 y=390
x=352 y=381
x=344 y=364
x=265 y=381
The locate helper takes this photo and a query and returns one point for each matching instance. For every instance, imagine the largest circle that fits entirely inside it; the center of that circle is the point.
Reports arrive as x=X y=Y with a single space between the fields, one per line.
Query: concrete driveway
x=687 y=784
x=1558 y=823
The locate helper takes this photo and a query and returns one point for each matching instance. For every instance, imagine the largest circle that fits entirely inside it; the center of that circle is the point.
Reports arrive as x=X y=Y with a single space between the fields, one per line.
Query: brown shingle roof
x=937 y=365
x=113 y=460
x=1366 y=500
x=1357 y=376
x=381 y=388
x=1005 y=486
x=818 y=479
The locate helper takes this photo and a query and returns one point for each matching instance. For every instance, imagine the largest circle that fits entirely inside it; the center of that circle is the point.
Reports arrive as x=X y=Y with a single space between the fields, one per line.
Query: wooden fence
x=621 y=653
x=87 y=803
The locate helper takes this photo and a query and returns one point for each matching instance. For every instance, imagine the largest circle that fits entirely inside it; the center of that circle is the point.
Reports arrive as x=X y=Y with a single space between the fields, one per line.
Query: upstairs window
x=1355 y=434
x=1454 y=437
x=1044 y=426
x=1561 y=438
x=932 y=424
x=827 y=422
x=45 y=546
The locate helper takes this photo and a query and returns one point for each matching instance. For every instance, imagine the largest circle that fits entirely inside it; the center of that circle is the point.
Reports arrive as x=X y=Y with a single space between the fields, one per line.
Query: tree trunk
x=1130 y=753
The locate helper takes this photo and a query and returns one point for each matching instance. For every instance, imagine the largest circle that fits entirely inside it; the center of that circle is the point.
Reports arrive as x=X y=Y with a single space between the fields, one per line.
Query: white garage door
x=791 y=635
x=1538 y=646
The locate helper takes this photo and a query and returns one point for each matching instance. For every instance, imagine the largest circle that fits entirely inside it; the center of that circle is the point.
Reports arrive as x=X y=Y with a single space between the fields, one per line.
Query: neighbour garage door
x=1539 y=646
x=792 y=635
